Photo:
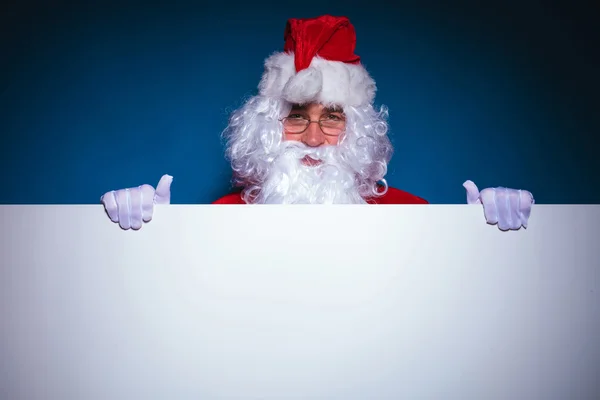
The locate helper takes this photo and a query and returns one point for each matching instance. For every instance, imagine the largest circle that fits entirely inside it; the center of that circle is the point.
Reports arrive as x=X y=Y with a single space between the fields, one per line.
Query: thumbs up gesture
x=129 y=207
x=509 y=208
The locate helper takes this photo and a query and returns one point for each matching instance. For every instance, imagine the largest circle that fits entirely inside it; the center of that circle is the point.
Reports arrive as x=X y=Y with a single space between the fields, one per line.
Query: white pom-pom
x=304 y=86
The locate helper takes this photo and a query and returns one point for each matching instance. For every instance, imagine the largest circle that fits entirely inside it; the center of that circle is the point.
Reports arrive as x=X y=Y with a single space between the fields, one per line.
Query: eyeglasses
x=330 y=127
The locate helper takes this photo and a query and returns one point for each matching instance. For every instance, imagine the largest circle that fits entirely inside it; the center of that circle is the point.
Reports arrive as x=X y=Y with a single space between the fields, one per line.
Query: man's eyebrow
x=334 y=109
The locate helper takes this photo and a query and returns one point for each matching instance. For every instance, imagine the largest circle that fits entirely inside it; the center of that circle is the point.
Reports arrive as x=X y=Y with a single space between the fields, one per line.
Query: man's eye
x=295 y=116
x=334 y=117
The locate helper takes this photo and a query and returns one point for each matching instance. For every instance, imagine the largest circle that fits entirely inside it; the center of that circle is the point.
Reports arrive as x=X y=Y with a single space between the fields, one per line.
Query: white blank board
x=299 y=302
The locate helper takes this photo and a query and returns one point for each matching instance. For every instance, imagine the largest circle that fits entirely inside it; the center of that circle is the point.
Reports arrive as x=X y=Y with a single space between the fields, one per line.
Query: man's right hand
x=130 y=207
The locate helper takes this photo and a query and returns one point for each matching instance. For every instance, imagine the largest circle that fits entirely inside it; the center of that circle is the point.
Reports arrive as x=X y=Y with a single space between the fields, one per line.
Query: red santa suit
x=392 y=196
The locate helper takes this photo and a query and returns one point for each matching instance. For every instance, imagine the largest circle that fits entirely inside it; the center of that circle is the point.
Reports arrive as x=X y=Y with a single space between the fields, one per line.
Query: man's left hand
x=509 y=208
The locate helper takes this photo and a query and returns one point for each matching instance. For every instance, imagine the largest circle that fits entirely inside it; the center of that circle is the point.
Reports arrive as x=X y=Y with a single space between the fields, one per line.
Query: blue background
x=94 y=98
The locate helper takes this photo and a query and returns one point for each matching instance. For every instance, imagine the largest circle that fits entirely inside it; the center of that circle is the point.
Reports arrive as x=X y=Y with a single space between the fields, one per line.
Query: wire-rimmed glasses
x=330 y=127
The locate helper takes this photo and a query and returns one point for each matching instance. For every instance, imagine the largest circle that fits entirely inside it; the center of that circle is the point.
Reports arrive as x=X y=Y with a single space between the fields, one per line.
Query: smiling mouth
x=310 y=162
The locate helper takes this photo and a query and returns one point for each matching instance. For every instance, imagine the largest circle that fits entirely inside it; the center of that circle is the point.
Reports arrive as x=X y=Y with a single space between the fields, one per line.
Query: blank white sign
x=299 y=302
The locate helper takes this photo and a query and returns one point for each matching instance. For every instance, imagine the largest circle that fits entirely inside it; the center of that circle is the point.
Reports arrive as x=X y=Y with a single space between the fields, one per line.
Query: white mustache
x=300 y=150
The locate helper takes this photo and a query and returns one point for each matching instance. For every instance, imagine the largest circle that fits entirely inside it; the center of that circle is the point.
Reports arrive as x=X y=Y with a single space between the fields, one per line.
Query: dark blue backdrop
x=102 y=97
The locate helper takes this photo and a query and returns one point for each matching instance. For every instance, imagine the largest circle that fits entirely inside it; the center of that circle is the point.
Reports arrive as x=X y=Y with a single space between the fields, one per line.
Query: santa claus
x=313 y=136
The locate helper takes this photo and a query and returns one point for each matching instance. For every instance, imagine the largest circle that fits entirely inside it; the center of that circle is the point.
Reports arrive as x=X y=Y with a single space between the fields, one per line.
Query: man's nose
x=313 y=135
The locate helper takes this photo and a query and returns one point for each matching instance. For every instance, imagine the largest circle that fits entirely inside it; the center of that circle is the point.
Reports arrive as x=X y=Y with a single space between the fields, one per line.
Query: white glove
x=129 y=207
x=509 y=208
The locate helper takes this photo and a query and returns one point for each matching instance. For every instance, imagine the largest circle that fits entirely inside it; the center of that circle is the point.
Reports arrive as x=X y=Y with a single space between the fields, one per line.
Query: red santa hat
x=318 y=64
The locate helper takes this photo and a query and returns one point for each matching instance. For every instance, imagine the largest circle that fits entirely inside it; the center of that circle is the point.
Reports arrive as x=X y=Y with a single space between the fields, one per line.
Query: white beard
x=289 y=181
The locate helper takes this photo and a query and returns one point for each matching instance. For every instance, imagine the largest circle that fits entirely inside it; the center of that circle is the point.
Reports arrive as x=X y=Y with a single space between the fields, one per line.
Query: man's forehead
x=330 y=107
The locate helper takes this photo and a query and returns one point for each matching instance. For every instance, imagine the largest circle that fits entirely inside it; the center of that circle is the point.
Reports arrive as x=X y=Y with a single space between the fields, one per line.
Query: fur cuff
x=324 y=81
